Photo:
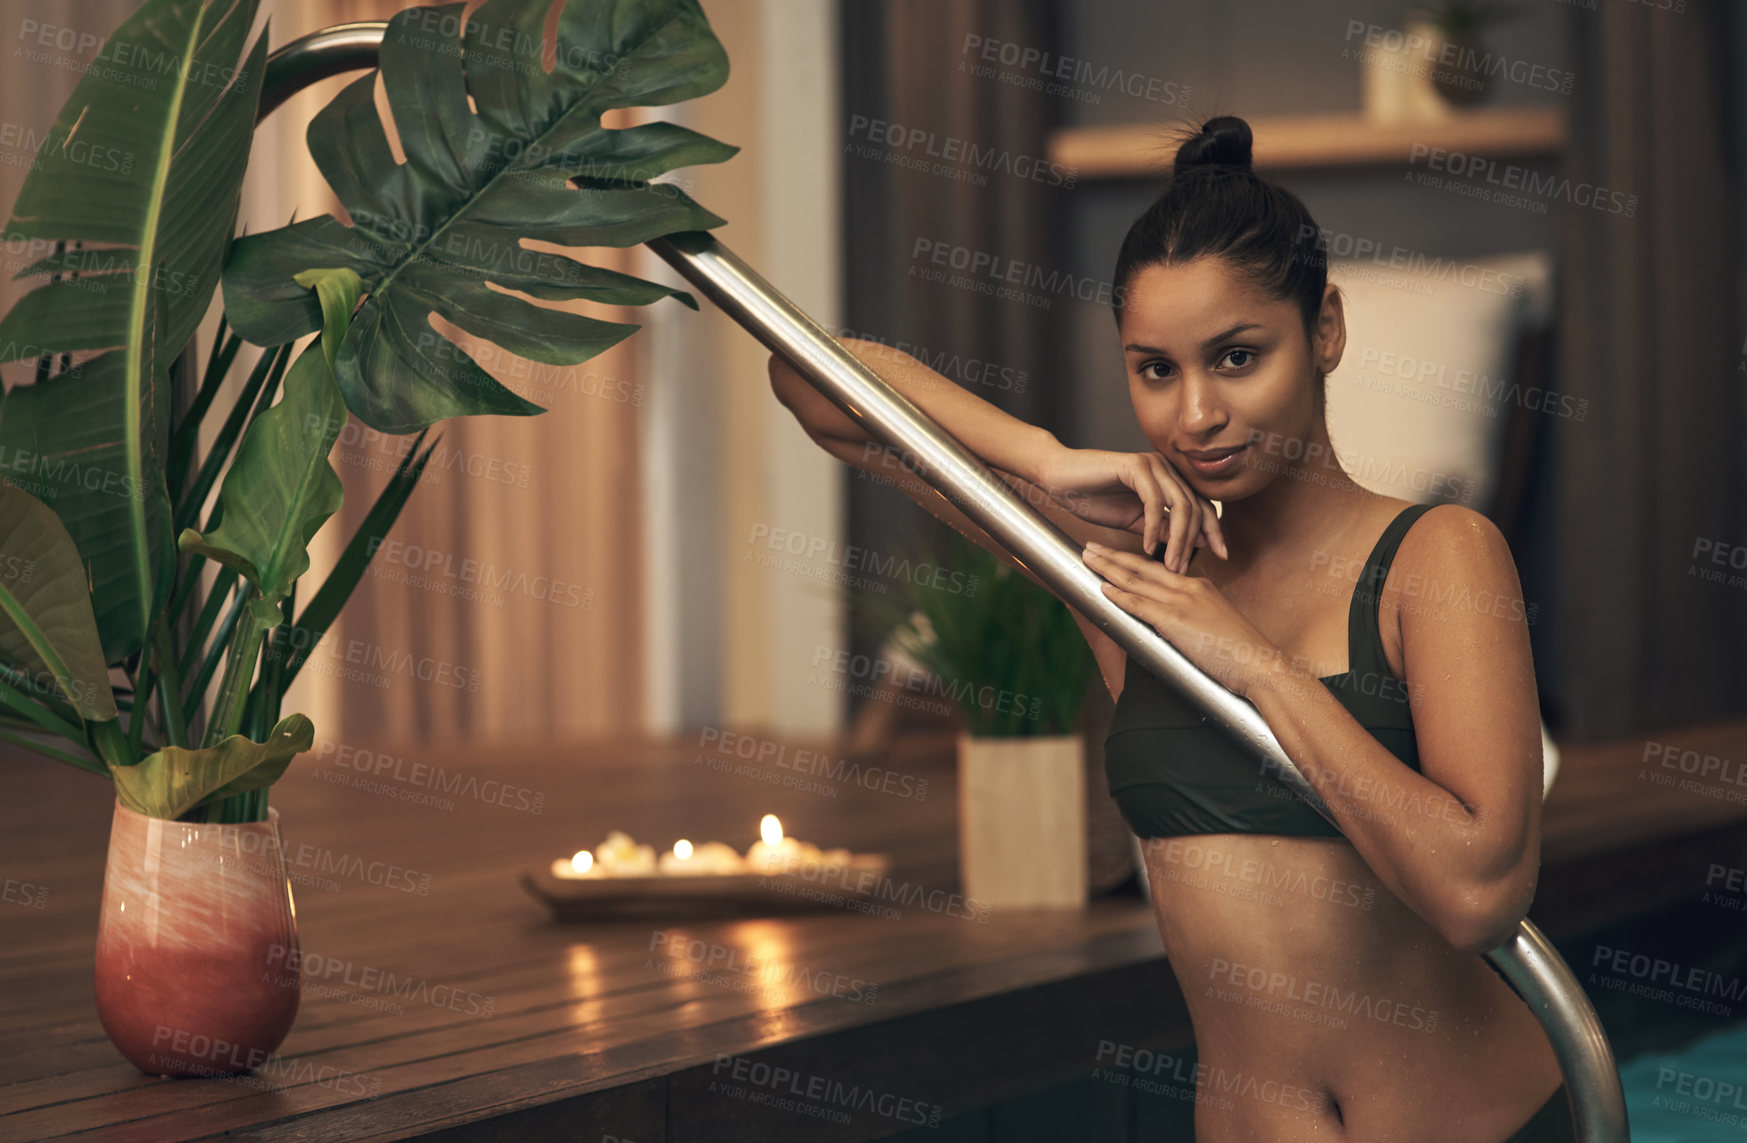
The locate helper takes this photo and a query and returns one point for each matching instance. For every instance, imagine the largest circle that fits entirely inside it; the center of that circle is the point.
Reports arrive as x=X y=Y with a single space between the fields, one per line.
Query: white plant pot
x=1022 y=821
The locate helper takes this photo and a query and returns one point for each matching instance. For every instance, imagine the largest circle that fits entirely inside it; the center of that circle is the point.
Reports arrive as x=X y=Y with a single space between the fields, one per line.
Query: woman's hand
x=1136 y=492
x=1192 y=614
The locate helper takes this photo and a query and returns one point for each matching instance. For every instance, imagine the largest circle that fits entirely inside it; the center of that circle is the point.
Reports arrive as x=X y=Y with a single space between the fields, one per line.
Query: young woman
x=1334 y=977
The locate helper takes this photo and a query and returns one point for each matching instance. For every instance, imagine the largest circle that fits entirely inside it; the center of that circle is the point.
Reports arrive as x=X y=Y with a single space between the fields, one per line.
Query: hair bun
x=1222 y=141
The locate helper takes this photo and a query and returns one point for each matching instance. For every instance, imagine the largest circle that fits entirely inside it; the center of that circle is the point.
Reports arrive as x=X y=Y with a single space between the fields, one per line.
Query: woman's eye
x=1146 y=370
x=1248 y=356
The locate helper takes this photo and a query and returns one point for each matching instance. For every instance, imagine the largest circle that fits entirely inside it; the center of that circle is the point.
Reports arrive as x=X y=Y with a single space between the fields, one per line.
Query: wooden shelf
x=1141 y=150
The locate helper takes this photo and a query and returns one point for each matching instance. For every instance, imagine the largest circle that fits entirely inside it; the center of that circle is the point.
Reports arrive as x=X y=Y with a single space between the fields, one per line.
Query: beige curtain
x=505 y=603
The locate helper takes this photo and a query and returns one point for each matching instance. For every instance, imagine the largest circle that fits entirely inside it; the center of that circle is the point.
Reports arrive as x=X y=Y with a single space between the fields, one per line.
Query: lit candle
x=579 y=865
x=773 y=849
x=678 y=860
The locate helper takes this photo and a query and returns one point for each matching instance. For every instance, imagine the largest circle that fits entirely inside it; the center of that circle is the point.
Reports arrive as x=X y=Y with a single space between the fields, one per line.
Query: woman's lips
x=1216 y=467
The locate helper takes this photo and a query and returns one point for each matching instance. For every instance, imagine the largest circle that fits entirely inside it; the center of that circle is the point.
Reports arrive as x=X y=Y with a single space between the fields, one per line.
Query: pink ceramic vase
x=197 y=959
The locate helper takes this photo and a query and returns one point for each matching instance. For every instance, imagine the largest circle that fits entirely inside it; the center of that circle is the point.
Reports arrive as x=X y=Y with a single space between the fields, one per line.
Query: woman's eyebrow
x=1212 y=341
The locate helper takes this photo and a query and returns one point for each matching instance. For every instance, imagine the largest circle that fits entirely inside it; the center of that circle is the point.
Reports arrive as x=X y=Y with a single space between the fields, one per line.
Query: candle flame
x=582 y=860
x=770 y=829
x=682 y=849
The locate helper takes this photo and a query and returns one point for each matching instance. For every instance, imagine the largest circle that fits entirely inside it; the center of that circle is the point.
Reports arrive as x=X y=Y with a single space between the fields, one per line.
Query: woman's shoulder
x=1451 y=548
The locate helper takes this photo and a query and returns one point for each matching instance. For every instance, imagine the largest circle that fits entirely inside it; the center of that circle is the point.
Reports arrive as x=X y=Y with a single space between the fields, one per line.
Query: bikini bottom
x=1551 y=1124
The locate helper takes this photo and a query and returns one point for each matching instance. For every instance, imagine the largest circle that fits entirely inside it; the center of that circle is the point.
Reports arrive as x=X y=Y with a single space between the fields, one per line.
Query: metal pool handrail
x=1529 y=961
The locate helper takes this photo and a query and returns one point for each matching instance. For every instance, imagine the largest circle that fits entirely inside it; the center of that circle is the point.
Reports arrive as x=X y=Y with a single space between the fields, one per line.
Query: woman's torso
x=1323 y=1007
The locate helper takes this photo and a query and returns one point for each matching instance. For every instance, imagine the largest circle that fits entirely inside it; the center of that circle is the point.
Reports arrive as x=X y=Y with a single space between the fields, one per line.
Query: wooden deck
x=500 y=1023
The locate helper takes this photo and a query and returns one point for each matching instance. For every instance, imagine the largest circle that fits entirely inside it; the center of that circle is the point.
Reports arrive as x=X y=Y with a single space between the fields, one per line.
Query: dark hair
x=1214 y=204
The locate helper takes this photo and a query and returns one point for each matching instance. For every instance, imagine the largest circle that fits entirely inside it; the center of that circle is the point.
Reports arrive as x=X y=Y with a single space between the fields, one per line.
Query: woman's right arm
x=1018 y=452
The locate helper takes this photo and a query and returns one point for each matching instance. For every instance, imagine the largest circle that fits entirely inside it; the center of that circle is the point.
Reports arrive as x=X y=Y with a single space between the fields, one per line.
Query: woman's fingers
x=1152 y=501
x=1185 y=513
x=1210 y=526
x=1131 y=573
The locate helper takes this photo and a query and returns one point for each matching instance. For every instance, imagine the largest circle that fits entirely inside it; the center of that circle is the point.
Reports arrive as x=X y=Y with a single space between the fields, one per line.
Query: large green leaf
x=146 y=158
x=46 y=626
x=436 y=233
x=176 y=779
x=70 y=440
x=281 y=488
x=137 y=185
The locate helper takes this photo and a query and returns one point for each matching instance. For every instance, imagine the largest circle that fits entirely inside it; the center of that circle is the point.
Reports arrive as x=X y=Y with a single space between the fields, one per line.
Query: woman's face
x=1214 y=362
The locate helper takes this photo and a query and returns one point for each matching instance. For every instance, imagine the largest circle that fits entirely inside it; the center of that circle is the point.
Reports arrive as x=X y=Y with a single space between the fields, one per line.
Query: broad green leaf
x=131 y=200
x=442 y=233
x=176 y=779
x=147 y=159
x=46 y=625
x=66 y=440
x=281 y=488
x=312 y=624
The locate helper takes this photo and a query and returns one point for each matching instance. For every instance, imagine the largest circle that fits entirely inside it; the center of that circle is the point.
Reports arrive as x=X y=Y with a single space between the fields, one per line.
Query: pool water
x=1681 y=1051
x=1695 y=1095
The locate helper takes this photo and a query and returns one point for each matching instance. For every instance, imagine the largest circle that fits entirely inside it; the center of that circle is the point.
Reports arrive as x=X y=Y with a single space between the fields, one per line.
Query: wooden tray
x=704 y=895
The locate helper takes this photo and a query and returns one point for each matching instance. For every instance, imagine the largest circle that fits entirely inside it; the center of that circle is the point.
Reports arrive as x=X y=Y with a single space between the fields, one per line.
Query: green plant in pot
x=1010 y=656
x=154 y=537
x=1460 y=68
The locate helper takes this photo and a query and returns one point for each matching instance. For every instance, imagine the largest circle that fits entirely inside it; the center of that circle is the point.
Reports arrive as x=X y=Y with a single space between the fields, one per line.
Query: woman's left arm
x=1460 y=841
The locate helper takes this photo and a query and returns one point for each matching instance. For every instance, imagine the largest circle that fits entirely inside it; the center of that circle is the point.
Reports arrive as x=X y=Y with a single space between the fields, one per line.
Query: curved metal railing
x=1529 y=961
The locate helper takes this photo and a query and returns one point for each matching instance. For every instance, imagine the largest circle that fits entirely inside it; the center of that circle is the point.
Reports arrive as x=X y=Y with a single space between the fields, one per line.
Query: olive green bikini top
x=1172 y=771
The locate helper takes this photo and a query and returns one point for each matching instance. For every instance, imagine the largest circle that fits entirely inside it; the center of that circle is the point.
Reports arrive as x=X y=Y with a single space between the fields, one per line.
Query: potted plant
x=1460 y=70
x=1010 y=656
x=150 y=562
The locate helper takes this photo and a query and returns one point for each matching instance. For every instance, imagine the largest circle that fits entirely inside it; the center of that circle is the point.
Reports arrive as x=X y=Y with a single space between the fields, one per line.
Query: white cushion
x=1419 y=404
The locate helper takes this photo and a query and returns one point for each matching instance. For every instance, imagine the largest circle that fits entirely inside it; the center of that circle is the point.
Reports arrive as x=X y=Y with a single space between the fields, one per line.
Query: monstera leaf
x=131 y=199
x=528 y=159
